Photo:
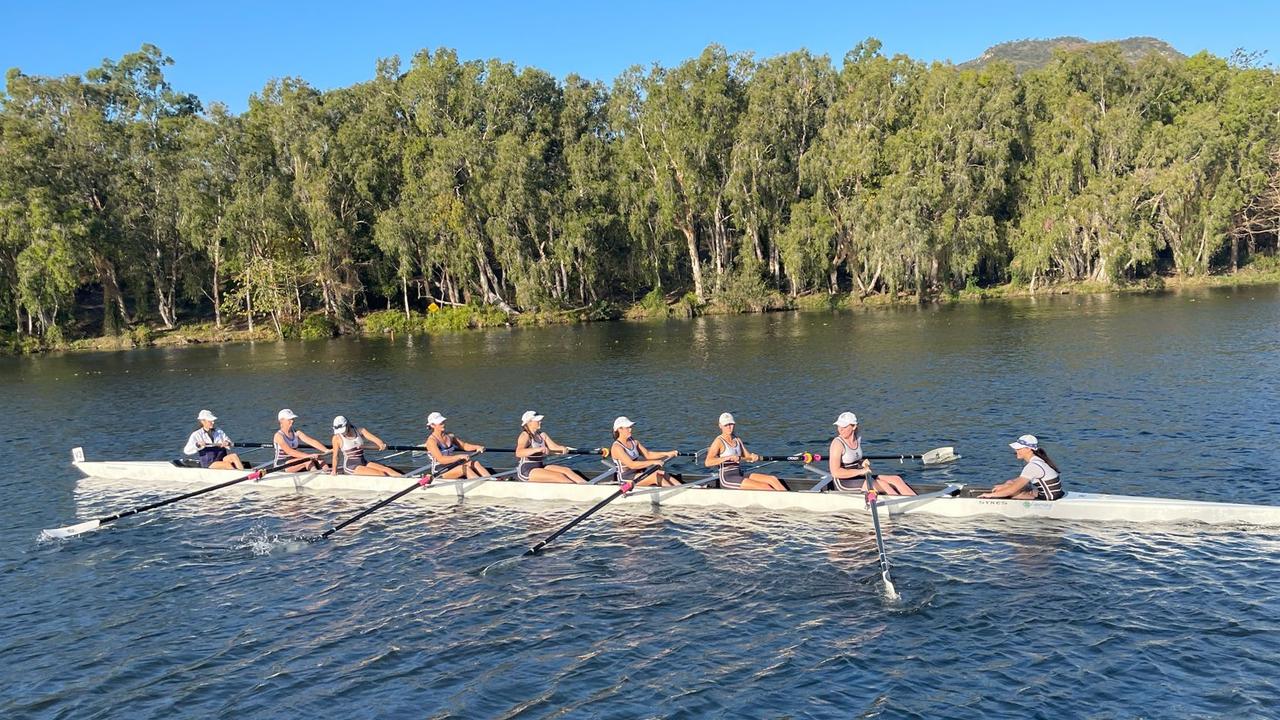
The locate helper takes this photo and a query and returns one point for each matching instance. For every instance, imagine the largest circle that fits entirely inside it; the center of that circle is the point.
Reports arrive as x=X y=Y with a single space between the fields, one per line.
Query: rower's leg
x=760 y=481
x=893 y=485
x=570 y=474
x=547 y=475
x=454 y=473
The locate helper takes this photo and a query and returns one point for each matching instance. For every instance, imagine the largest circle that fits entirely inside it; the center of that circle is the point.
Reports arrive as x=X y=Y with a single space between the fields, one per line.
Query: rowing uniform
x=850 y=459
x=292 y=440
x=448 y=446
x=212 y=451
x=626 y=474
x=352 y=452
x=529 y=464
x=731 y=470
x=1043 y=480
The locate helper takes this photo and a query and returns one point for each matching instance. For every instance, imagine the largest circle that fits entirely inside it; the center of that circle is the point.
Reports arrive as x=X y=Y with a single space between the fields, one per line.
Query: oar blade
x=70 y=530
x=890 y=592
x=939 y=456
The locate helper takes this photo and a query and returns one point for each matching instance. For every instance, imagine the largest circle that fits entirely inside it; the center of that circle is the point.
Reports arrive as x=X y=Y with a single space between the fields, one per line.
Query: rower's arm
x=619 y=453
x=523 y=447
x=284 y=447
x=373 y=438
x=653 y=457
x=313 y=442
x=470 y=447
x=833 y=464
x=1008 y=488
x=713 y=454
x=552 y=445
x=193 y=445
x=333 y=464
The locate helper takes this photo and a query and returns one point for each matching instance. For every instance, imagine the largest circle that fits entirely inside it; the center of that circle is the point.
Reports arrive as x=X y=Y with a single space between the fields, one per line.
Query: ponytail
x=1040 y=453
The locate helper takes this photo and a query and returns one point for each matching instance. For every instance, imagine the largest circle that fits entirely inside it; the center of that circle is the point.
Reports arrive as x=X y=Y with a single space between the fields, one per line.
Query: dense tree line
x=458 y=181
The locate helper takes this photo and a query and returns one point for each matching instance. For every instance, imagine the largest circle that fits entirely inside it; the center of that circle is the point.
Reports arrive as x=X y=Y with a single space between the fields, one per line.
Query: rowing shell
x=954 y=501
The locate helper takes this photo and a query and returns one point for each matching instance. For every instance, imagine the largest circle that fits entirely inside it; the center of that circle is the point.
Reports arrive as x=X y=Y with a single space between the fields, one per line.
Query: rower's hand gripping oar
x=73 y=530
x=889 y=590
x=421 y=481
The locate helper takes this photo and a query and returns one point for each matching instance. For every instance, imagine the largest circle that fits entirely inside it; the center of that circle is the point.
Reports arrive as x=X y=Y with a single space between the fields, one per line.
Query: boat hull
x=1076 y=506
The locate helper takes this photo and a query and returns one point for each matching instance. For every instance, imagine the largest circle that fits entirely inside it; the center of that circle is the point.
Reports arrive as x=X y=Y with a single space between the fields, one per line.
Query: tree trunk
x=691 y=243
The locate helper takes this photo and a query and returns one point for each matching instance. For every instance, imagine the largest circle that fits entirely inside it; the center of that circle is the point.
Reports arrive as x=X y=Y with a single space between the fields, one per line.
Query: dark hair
x=615 y=434
x=1040 y=453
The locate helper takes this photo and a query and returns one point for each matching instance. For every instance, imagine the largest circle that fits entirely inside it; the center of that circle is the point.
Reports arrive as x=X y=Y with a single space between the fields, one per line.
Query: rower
x=210 y=444
x=728 y=453
x=630 y=457
x=848 y=464
x=446 y=449
x=349 y=440
x=1040 y=478
x=287 y=440
x=531 y=450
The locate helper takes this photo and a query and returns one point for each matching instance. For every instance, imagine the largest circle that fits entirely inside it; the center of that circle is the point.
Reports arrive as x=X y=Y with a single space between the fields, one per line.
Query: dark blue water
x=208 y=609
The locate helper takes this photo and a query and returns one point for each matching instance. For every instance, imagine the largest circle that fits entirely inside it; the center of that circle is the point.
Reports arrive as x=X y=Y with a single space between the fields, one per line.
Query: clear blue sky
x=227 y=50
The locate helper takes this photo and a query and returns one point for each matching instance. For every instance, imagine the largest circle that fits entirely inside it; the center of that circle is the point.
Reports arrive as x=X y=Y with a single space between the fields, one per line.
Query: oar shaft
x=419 y=482
x=624 y=489
x=424 y=480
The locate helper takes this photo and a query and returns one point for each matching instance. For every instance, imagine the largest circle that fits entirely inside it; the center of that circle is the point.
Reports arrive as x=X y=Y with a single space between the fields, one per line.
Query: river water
x=209 y=609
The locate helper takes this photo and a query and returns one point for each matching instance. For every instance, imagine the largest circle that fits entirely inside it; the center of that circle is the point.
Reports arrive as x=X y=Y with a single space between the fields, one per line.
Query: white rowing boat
x=954 y=501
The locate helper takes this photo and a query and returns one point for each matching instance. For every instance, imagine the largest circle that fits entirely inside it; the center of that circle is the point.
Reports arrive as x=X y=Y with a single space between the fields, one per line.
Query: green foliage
x=141 y=335
x=653 y=304
x=317 y=327
x=506 y=195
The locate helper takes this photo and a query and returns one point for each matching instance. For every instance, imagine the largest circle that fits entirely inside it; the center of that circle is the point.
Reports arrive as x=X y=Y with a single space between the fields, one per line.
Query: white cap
x=206 y=415
x=530 y=416
x=286 y=414
x=1026 y=441
x=846 y=418
x=621 y=422
x=436 y=418
x=727 y=419
x=340 y=422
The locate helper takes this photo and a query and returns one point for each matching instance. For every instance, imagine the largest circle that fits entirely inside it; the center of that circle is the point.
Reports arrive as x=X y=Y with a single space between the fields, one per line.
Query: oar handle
x=570 y=451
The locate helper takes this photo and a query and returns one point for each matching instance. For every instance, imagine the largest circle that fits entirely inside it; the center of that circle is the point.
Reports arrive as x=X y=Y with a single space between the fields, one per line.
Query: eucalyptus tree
x=786 y=104
x=679 y=127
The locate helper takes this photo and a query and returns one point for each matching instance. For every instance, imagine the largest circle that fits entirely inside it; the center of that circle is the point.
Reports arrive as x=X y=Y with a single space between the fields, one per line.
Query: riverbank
x=655 y=305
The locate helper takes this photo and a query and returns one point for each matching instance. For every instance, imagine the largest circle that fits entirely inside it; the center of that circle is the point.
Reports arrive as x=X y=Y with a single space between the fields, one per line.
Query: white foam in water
x=258 y=541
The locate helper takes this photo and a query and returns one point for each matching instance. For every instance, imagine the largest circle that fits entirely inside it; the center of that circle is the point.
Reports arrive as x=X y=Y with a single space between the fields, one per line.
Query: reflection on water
x=216 y=608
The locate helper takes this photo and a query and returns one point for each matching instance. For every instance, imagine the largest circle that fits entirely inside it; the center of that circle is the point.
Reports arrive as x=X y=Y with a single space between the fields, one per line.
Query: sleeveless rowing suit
x=1042 y=479
x=850 y=458
x=528 y=464
x=626 y=474
x=448 y=446
x=352 y=452
x=731 y=470
x=291 y=440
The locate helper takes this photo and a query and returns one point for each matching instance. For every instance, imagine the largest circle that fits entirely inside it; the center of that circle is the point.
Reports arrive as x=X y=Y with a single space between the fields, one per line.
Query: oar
x=623 y=489
x=937 y=456
x=568 y=451
x=889 y=590
x=72 y=530
x=420 y=481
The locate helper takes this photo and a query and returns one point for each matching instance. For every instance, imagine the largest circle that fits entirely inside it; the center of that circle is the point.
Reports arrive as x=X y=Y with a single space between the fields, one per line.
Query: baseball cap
x=530 y=416
x=340 y=422
x=727 y=419
x=621 y=422
x=206 y=415
x=1026 y=441
x=846 y=418
x=286 y=414
x=435 y=418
